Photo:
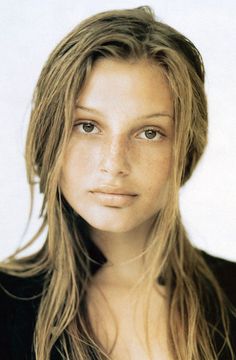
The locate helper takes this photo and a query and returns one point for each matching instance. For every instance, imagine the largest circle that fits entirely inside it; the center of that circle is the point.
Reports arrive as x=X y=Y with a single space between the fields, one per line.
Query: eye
x=151 y=134
x=86 y=127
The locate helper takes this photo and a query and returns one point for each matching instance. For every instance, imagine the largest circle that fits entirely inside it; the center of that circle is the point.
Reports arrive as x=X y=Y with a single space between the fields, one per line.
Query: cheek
x=155 y=183
x=155 y=168
x=150 y=166
x=78 y=163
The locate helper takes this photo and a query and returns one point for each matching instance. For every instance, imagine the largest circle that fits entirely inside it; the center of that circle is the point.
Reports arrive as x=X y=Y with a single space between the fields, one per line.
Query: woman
x=119 y=123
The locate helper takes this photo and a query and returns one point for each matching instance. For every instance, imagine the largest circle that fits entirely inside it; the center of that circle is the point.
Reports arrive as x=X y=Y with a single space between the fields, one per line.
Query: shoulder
x=20 y=286
x=225 y=273
x=19 y=303
x=218 y=264
x=19 y=291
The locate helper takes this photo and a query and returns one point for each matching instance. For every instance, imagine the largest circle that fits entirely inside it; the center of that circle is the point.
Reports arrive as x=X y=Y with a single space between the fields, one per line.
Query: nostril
x=114 y=159
x=115 y=166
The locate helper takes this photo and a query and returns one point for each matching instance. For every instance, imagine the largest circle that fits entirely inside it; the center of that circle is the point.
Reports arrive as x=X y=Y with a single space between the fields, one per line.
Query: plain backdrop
x=29 y=30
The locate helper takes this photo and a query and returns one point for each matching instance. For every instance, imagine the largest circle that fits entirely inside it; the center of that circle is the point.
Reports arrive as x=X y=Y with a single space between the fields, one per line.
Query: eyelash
x=151 y=128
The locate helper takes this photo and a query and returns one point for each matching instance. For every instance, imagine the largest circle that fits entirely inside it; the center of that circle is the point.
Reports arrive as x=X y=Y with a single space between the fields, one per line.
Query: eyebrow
x=148 y=116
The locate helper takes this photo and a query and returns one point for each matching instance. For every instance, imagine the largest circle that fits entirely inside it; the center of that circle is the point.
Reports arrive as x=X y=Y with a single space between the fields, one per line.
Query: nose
x=114 y=157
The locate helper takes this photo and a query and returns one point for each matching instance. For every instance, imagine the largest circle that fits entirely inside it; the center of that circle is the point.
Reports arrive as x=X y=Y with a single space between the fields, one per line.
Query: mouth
x=116 y=199
x=104 y=189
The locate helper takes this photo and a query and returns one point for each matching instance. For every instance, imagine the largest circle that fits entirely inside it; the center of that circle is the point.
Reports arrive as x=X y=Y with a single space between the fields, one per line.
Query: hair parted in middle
x=68 y=256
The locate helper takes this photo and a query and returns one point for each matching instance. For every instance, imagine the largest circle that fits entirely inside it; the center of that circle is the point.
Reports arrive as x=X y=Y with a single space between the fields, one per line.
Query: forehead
x=117 y=86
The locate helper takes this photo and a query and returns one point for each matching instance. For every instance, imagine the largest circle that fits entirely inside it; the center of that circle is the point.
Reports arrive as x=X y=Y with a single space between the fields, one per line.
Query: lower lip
x=114 y=199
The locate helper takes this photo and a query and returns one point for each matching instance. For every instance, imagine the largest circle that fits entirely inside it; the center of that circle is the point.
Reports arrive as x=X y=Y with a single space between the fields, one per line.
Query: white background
x=29 y=30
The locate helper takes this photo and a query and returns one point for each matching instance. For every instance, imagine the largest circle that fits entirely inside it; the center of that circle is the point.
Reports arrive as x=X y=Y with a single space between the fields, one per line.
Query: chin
x=112 y=220
x=111 y=227
x=109 y=224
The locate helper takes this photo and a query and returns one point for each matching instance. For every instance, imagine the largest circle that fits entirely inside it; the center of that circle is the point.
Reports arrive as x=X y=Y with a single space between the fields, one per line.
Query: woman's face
x=117 y=165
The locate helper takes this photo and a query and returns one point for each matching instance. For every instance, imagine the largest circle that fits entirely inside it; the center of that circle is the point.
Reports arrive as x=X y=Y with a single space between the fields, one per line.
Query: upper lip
x=107 y=189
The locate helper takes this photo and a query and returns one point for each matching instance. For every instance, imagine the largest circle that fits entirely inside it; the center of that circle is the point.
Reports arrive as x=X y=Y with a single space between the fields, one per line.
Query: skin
x=116 y=150
x=110 y=145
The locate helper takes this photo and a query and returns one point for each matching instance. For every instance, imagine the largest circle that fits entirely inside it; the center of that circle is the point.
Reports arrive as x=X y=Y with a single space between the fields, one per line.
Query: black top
x=17 y=317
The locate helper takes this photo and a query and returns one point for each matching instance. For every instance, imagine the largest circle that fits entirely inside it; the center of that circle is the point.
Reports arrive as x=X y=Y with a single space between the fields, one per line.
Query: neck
x=124 y=252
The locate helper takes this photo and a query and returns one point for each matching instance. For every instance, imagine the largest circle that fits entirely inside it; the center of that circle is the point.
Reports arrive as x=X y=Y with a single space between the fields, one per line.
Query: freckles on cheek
x=155 y=160
x=157 y=167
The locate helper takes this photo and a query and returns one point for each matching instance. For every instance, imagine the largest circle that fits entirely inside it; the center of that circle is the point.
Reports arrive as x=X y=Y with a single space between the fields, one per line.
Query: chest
x=125 y=330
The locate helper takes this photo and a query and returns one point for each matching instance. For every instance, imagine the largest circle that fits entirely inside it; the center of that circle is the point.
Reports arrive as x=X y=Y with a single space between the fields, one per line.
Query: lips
x=113 y=196
x=113 y=190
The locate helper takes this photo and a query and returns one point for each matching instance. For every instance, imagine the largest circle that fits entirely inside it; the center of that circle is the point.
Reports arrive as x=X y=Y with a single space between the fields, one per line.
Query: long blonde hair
x=68 y=258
